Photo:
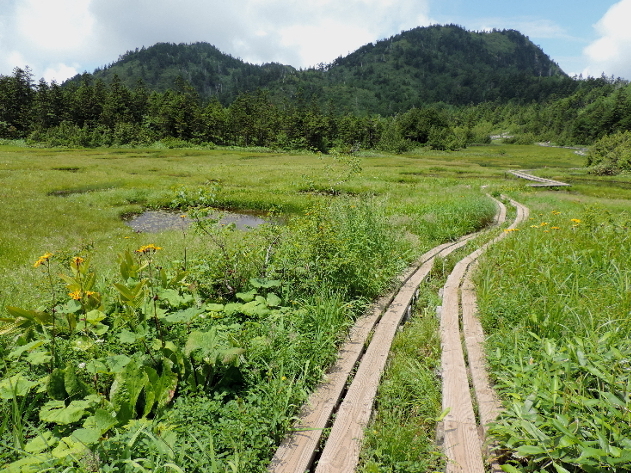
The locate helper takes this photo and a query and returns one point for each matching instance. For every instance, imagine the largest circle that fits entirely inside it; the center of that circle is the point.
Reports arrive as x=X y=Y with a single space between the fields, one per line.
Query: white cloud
x=54 y=26
x=60 y=72
x=63 y=37
x=611 y=52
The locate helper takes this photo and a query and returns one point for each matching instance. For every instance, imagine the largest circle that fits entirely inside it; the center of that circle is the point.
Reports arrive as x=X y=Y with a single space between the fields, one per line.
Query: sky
x=60 y=38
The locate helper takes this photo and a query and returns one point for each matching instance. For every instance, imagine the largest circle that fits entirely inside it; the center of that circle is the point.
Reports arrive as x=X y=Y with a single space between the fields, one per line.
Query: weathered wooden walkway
x=340 y=453
x=540 y=181
x=463 y=441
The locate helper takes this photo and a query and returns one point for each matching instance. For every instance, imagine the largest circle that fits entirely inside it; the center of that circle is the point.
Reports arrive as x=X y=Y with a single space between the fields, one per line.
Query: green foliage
x=558 y=341
x=611 y=154
x=401 y=437
x=569 y=405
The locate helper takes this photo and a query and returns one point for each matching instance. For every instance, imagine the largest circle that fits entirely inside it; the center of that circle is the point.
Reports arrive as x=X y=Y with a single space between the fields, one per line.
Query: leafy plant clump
x=611 y=154
x=165 y=368
x=558 y=346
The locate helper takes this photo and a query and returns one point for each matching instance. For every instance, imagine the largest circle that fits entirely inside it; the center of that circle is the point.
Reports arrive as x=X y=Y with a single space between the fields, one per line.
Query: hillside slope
x=423 y=65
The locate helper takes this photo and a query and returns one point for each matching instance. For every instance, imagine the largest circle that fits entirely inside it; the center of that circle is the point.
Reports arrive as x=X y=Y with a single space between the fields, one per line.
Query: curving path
x=539 y=181
x=352 y=404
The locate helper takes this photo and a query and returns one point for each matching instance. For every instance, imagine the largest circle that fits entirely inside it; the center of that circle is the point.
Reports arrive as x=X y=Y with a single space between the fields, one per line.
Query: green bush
x=611 y=154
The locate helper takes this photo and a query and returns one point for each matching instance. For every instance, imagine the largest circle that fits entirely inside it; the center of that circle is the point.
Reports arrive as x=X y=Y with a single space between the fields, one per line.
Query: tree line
x=95 y=113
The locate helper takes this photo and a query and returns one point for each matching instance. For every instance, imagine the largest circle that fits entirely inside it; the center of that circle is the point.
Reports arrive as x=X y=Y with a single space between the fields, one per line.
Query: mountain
x=424 y=65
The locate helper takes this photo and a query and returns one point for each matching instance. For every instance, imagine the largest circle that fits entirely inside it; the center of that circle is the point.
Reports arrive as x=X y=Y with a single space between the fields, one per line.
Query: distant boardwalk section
x=539 y=181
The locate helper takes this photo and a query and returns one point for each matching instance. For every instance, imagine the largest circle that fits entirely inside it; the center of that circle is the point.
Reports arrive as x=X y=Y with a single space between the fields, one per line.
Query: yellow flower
x=77 y=260
x=555 y=228
x=534 y=226
x=148 y=248
x=76 y=295
x=575 y=220
x=508 y=230
x=42 y=259
x=543 y=224
x=556 y=212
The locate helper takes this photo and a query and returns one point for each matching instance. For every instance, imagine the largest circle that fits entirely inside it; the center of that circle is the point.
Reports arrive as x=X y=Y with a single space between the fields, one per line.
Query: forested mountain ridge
x=441 y=87
x=414 y=68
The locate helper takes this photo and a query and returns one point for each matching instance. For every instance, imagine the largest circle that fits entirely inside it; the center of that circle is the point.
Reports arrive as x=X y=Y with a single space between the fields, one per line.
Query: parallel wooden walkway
x=463 y=440
x=540 y=181
x=341 y=451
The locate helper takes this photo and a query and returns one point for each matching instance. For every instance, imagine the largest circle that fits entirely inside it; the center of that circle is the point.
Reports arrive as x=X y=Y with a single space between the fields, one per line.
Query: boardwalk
x=352 y=408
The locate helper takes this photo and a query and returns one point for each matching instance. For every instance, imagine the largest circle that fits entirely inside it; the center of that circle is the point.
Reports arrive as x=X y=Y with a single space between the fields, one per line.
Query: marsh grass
x=401 y=436
x=554 y=300
x=337 y=251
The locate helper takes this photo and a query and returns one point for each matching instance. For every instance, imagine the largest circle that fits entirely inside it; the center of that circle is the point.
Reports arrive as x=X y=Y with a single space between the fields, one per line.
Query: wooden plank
x=542 y=181
x=343 y=446
x=297 y=452
x=461 y=442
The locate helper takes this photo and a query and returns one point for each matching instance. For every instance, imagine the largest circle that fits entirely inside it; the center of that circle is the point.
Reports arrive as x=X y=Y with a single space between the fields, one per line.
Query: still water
x=154 y=221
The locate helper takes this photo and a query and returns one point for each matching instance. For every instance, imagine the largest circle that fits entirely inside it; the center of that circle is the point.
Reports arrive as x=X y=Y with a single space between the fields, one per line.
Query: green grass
x=347 y=235
x=554 y=300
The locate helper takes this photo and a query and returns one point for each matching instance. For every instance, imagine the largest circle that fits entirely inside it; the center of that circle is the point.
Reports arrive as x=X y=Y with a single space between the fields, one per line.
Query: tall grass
x=554 y=300
x=305 y=282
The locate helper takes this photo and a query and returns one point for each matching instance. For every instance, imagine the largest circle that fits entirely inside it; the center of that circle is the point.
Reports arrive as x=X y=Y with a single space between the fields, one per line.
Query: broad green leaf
x=86 y=436
x=197 y=340
x=39 y=357
x=56 y=385
x=69 y=447
x=214 y=307
x=82 y=343
x=95 y=316
x=509 y=469
x=246 y=296
x=125 y=336
x=125 y=390
x=117 y=363
x=17 y=385
x=526 y=450
x=273 y=300
x=16 y=352
x=17 y=312
x=42 y=442
x=96 y=366
x=57 y=412
x=232 y=308
x=183 y=316
x=254 y=309
x=559 y=468
x=231 y=355
x=99 y=329
x=101 y=421
x=171 y=296
x=567 y=441
x=73 y=385
x=37 y=463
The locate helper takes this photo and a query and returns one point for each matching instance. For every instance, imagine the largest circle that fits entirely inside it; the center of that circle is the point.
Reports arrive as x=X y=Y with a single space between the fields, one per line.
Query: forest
x=440 y=86
x=96 y=113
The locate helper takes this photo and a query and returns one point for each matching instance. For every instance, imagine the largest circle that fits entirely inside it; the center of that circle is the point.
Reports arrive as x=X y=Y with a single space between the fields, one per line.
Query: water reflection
x=154 y=221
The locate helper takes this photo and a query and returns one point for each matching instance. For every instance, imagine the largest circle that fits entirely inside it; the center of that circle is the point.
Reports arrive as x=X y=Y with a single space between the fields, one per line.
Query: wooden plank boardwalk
x=540 y=181
x=340 y=453
x=463 y=444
